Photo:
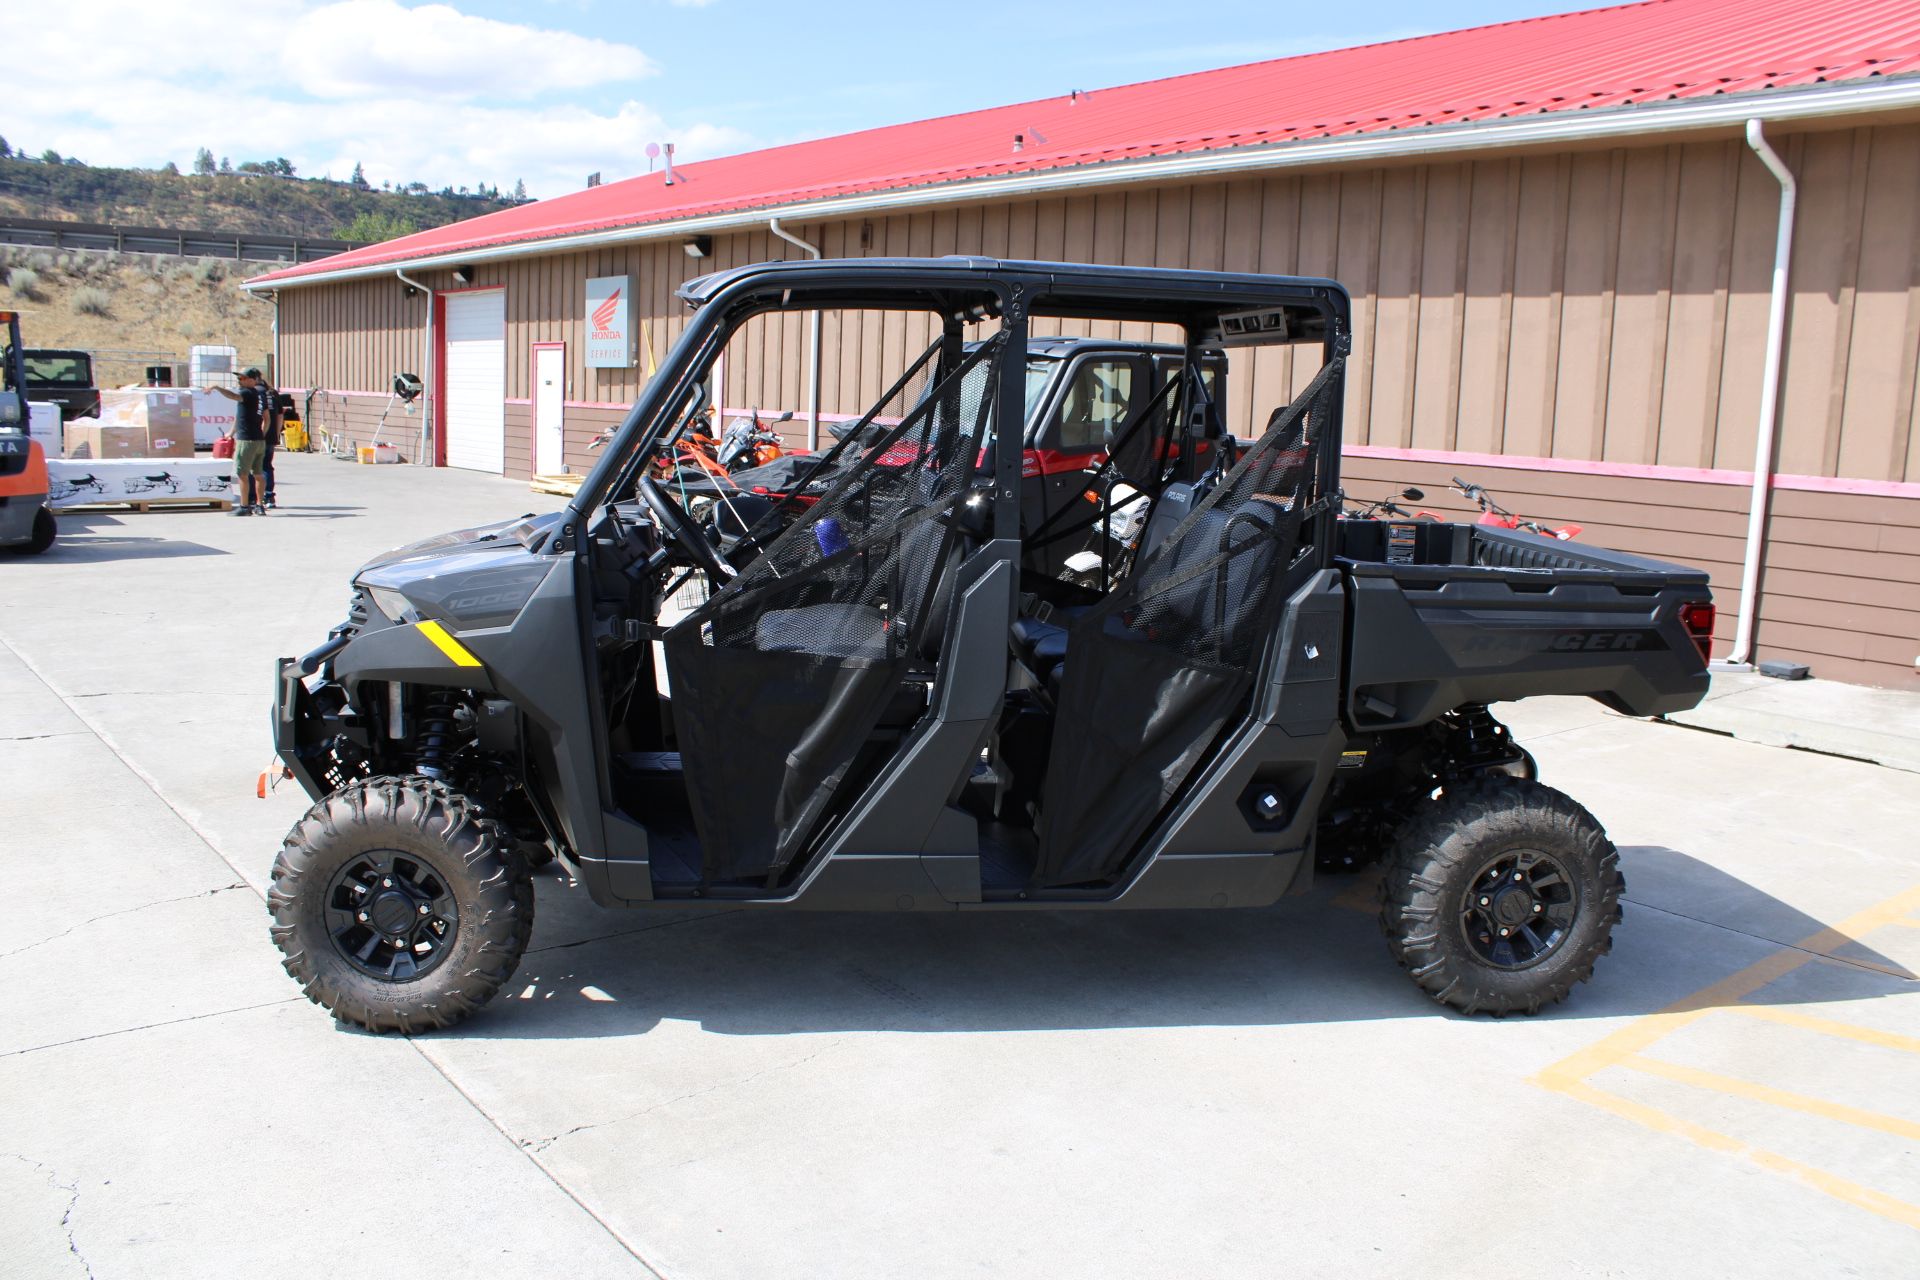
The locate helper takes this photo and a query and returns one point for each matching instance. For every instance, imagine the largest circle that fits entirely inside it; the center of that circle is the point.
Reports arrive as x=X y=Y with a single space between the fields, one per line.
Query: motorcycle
x=1387 y=506
x=1498 y=517
x=748 y=443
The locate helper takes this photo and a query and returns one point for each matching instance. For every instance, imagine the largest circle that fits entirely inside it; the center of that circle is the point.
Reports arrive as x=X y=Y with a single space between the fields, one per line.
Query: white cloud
x=376 y=46
x=429 y=95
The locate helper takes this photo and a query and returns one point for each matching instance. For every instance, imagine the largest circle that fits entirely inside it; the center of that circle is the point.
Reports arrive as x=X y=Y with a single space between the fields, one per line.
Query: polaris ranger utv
x=884 y=705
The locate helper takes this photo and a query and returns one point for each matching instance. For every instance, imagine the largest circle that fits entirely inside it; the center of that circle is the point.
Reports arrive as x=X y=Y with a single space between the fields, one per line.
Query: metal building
x=1563 y=238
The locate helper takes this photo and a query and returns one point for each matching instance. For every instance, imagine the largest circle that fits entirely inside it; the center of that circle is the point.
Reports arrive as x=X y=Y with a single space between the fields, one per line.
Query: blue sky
x=487 y=91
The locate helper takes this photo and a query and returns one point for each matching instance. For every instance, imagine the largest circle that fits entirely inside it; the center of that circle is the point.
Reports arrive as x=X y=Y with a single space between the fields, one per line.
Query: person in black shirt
x=270 y=429
x=253 y=417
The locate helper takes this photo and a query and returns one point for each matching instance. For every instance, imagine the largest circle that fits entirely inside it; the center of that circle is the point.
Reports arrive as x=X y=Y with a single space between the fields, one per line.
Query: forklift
x=26 y=522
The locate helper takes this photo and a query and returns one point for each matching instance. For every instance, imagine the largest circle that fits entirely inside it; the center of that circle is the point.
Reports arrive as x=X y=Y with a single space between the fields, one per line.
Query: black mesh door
x=782 y=677
x=1165 y=662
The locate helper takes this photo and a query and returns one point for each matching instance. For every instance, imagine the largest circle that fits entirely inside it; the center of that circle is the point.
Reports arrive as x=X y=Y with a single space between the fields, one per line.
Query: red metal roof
x=1627 y=55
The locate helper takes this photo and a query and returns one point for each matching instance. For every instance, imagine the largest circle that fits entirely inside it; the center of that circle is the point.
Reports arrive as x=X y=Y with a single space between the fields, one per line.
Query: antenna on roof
x=593 y=179
x=653 y=153
x=668 y=149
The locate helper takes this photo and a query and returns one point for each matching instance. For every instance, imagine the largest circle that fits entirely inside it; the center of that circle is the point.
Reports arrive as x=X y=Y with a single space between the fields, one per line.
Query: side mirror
x=1412 y=495
x=785 y=417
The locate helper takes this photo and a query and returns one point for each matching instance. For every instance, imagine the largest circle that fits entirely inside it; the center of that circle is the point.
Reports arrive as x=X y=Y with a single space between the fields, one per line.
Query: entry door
x=476 y=380
x=549 y=385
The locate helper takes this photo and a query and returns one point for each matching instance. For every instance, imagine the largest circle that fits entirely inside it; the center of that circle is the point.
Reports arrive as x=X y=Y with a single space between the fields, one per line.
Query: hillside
x=133 y=310
x=69 y=192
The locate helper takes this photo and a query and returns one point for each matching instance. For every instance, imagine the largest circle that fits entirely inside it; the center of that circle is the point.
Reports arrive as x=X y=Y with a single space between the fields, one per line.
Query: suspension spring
x=438 y=732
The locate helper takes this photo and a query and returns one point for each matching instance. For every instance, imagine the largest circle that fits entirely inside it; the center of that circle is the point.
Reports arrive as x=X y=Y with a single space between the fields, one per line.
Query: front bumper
x=315 y=733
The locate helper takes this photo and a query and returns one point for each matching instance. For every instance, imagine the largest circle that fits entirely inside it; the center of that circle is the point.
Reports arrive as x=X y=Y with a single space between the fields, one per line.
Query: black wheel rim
x=391 y=915
x=1519 y=909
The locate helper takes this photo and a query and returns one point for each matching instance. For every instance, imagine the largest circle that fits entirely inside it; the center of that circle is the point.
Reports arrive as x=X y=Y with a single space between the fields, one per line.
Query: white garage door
x=476 y=380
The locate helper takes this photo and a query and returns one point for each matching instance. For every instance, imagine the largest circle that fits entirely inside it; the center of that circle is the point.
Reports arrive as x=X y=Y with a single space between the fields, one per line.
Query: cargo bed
x=1444 y=614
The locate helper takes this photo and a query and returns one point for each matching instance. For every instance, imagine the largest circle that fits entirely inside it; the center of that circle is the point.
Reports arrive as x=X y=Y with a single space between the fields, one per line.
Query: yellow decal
x=446 y=644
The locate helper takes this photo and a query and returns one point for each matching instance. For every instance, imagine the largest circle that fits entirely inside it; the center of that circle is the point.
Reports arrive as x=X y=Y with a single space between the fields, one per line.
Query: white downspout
x=428 y=446
x=813 y=345
x=1767 y=431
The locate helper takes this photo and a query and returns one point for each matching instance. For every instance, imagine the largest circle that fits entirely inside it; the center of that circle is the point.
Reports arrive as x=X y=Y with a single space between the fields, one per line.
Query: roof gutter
x=1731 y=111
x=1766 y=432
x=432 y=397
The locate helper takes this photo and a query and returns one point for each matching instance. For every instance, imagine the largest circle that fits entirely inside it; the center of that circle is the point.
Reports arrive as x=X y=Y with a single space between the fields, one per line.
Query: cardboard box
x=164 y=414
x=86 y=439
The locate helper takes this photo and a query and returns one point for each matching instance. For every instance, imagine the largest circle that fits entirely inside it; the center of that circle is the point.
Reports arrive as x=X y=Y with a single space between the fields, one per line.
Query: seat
x=1206 y=601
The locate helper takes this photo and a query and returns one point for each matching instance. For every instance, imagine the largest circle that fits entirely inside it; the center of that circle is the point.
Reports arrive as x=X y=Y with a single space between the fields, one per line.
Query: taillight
x=1697 y=618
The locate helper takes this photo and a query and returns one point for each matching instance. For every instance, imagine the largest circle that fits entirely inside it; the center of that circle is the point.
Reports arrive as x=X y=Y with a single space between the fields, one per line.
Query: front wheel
x=45 y=530
x=1501 y=896
x=398 y=906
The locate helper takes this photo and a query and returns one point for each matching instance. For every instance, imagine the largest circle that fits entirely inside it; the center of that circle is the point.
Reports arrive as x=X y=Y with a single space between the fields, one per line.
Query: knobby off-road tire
x=464 y=877
x=1501 y=853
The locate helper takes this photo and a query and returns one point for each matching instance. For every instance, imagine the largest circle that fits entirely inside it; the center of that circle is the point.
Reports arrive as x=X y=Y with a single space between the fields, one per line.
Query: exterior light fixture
x=699 y=247
x=463 y=274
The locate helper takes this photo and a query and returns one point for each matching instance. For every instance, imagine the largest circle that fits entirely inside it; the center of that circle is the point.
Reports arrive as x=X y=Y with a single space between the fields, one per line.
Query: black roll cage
x=962 y=290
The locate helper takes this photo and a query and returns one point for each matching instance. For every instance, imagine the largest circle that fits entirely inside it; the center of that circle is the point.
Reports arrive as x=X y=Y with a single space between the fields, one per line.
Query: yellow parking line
x=1637 y=1035
x=1875 y=1202
x=1570 y=1075
x=1774 y=1097
x=1828 y=1027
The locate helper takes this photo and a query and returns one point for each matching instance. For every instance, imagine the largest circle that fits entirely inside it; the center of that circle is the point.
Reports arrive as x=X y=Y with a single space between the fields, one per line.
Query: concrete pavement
x=756 y=1094
x=1880 y=725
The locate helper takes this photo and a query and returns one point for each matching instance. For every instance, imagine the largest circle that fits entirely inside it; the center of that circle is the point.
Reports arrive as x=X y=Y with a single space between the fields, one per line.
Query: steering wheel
x=678 y=528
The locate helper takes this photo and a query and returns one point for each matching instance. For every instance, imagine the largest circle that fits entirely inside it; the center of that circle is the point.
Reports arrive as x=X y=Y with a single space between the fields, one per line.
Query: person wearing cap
x=251 y=420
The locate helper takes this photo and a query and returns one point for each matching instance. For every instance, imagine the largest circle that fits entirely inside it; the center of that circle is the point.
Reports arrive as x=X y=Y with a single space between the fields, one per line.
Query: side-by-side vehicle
x=888 y=700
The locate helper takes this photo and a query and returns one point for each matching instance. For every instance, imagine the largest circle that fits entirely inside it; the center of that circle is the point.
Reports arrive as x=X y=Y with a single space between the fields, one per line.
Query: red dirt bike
x=1381 y=508
x=1492 y=513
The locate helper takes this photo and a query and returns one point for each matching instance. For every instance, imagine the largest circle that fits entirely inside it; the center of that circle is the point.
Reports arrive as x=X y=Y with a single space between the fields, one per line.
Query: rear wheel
x=399 y=906
x=1501 y=895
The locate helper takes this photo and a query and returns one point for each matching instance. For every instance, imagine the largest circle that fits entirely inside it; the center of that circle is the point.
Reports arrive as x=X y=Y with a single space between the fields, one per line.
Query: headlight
x=393 y=605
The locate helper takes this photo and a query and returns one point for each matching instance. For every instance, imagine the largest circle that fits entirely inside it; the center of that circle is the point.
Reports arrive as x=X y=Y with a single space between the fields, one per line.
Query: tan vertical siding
x=1603 y=306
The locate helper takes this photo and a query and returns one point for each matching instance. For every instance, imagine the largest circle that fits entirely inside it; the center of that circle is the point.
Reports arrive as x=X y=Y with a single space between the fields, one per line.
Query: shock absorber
x=437 y=734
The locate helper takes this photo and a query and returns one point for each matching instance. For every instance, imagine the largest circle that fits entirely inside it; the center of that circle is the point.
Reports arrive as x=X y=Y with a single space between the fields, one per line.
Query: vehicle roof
x=1078 y=289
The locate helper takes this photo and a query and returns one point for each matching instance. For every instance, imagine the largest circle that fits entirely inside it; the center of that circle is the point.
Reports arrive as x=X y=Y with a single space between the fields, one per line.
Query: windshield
x=1039 y=373
x=59 y=367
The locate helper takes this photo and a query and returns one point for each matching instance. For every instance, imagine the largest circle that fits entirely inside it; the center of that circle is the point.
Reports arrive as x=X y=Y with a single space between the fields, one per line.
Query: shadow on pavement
x=83 y=545
x=1315 y=958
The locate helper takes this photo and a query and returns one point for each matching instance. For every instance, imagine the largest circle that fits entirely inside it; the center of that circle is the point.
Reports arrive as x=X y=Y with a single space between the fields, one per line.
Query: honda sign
x=609 y=330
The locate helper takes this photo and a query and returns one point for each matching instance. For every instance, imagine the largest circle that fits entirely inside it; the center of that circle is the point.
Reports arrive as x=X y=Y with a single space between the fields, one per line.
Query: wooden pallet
x=149 y=504
x=564 y=485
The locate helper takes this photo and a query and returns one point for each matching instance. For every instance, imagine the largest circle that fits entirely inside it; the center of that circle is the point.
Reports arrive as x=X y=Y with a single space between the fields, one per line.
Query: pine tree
x=520 y=191
x=359 y=178
x=203 y=162
x=226 y=165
